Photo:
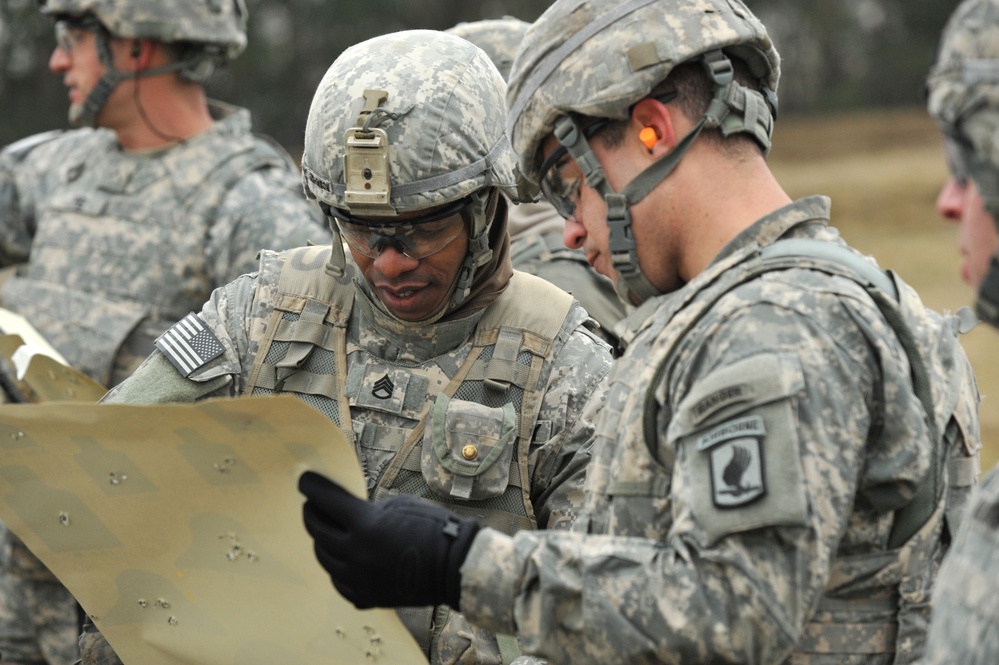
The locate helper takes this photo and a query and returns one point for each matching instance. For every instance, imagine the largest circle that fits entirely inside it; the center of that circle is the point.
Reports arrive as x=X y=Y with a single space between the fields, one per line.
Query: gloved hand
x=399 y=552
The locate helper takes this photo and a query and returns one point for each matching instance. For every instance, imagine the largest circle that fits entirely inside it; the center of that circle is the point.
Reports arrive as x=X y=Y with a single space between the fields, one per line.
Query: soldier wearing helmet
x=789 y=433
x=963 y=97
x=460 y=380
x=536 y=227
x=113 y=231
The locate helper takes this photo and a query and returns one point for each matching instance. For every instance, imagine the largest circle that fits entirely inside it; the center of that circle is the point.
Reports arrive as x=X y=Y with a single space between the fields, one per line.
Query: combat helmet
x=409 y=121
x=963 y=97
x=595 y=59
x=499 y=38
x=211 y=31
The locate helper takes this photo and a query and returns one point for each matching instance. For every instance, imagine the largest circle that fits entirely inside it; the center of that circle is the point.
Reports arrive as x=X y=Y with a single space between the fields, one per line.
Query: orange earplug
x=648 y=137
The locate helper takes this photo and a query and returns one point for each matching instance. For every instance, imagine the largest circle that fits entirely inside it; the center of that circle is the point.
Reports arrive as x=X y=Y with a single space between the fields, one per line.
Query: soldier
x=120 y=227
x=459 y=379
x=770 y=476
x=963 y=89
x=536 y=228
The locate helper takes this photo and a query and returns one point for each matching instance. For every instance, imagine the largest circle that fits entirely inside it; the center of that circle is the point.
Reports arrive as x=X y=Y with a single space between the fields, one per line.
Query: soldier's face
x=75 y=57
x=413 y=289
x=961 y=202
x=587 y=227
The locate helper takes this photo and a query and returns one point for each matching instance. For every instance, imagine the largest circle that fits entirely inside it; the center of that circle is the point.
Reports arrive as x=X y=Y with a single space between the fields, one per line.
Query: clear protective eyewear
x=416 y=238
x=562 y=193
x=70 y=33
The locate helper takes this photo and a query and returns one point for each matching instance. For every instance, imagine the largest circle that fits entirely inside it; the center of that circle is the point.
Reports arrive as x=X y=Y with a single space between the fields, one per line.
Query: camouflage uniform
x=105 y=249
x=100 y=287
x=790 y=561
x=963 y=89
x=486 y=408
x=536 y=228
x=764 y=435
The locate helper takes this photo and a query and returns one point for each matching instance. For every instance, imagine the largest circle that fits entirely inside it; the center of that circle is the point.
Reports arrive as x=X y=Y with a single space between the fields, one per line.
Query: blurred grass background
x=883 y=170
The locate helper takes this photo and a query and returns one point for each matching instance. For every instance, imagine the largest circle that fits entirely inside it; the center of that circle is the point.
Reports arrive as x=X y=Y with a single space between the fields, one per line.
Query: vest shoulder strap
x=549 y=305
x=838 y=260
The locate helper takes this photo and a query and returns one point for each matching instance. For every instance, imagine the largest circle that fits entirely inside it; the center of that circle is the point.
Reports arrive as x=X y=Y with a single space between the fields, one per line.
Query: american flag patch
x=189 y=345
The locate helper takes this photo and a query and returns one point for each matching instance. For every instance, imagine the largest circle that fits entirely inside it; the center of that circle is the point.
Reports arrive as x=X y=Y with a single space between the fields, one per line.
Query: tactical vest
x=118 y=253
x=892 y=611
x=545 y=256
x=455 y=430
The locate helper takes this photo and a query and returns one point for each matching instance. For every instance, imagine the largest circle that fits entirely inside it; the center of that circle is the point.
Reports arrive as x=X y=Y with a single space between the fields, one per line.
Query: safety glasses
x=563 y=193
x=416 y=238
x=70 y=33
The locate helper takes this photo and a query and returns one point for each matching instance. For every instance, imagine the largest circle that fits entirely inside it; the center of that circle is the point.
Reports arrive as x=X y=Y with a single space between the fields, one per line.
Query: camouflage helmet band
x=547 y=67
x=219 y=26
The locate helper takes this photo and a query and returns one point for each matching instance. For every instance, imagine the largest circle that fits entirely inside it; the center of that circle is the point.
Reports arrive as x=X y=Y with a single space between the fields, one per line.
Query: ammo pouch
x=467 y=448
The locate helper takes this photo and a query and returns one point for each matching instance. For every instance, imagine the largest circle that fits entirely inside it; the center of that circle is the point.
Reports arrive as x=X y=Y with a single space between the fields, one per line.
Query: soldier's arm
x=573 y=398
x=18 y=185
x=705 y=572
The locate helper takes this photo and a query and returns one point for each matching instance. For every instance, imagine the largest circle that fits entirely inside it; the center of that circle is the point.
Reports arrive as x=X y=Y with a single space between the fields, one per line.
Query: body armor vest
x=881 y=596
x=118 y=253
x=455 y=429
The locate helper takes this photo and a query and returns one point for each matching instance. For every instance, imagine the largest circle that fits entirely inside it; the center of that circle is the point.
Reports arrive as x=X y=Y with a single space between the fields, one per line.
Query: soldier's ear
x=653 y=125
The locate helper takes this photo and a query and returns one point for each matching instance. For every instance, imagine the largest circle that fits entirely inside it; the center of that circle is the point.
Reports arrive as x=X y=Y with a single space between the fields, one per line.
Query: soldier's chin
x=77 y=117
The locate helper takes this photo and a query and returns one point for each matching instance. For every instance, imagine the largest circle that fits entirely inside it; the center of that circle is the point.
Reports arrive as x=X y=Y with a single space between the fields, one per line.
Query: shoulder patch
x=736 y=461
x=189 y=345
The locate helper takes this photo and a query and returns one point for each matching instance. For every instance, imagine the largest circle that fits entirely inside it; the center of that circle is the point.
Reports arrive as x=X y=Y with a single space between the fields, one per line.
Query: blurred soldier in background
x=770 y=474
x=536 y=228
x=963 y=97
x=114 y=231
x=459 y=380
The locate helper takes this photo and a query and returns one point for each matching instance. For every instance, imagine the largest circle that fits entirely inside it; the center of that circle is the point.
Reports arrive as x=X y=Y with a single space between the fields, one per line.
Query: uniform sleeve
x=265 y=210
x=16 y=215
x=730 y=563
x=560 y=454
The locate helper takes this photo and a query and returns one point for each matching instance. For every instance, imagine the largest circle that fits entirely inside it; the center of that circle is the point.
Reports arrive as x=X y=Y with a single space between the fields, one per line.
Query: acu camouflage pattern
x=537 y=248
x=963 y=85
x=965 y=627
x=116 y=246
x=499 y=38
x=657 y=572
x=536 y=245
x=634 y=46
x=442 y=146
x=39 y=621
x=221 y=23
x=536 y=480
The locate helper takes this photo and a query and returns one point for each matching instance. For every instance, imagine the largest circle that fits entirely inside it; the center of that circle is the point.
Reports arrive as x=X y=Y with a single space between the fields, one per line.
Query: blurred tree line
x=836 y=55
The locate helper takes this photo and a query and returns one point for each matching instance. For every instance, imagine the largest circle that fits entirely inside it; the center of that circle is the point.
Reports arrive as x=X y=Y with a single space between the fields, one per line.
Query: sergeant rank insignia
x=736 y=454
x=189 y=345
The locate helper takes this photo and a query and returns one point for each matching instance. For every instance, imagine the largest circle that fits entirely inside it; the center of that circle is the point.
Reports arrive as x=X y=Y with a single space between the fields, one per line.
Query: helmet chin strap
x=85 y=115
x=987 y=178
x=734 y=108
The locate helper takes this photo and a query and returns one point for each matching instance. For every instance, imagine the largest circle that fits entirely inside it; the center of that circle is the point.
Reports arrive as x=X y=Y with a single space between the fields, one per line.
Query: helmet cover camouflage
x=217 y=23
x=963 y=85
x=499 y=38
x=963 y=97
x=443 y=116
x=599 y=57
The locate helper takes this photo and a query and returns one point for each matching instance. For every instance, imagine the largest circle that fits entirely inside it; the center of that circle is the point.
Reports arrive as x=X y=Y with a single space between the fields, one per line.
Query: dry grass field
x=883 y=171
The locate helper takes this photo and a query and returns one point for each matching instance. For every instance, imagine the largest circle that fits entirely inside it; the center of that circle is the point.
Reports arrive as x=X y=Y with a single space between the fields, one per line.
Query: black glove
x=400 y=552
